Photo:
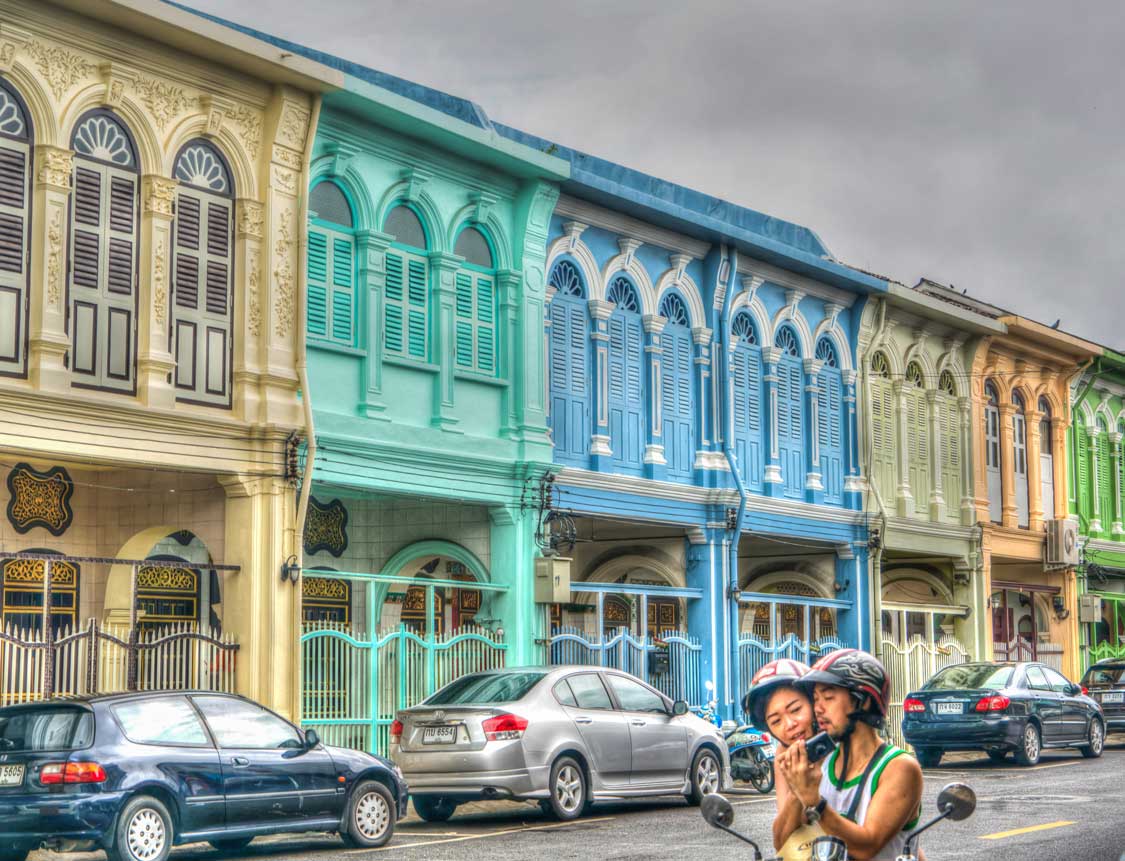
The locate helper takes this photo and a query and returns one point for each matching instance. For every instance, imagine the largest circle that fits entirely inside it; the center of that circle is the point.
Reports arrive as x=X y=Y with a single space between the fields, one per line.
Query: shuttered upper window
x=104 y=218
x=202 y=270
x=474 y=311
x=15 y=202
x=331 y=291
x=406 y=314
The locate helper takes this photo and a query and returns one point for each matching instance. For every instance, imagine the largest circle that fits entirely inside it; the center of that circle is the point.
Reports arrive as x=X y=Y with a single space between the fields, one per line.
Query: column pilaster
x=1008 y=512
x=905 y=498
x=600 y=451
x=654 y=461
x=443 y=294
x=1092 y=437
x=517 y=422
x=937 y=492
x=47 y=289
x=155 y=363
x=1059 y=461
x=968 y=500
x=772 y=477
x=814 y=476
x=701 y=368
x=1115 y=444
x=853 y=480
x=371 y=279
x=1036 y=503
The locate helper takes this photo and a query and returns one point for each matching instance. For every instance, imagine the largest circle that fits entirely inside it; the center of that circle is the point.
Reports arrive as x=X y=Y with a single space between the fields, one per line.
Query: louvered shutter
x=474 y=323
x=790 y=426
x=394 y=311
x=746 y=380
x=14 y=203
x=1082 y=482
x=463 y=324
x=1106 y=489
x=103 y=276
x=568 y=384
x=830 y=434
x=884 y=443
x=417 y=302
x=406 y=302
x=625 y=389
x=343 y=290
x=317 y=315
x=918 y=448
x=950 y=428
x=485 y=325
x=202 y=302
x=676 y=401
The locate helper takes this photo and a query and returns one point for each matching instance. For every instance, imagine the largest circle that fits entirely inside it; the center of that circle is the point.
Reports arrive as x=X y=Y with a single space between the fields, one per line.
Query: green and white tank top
x=840 y=795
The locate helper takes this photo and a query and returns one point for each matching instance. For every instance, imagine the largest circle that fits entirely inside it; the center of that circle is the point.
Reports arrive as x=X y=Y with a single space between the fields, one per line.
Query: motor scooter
x=751 y=749
x=955 y=802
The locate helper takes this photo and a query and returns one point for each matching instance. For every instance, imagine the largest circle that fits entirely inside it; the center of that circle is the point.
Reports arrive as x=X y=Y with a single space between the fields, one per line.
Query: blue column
x=600 y=451
x=707 y=616
x=853 y=574
x=853 y=486
x=814 y=477
x=655 y=464
x=772 y=480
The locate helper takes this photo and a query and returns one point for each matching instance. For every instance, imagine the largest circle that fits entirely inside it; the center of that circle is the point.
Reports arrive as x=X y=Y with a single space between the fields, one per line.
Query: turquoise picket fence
x=670 y=663
x=352 y=687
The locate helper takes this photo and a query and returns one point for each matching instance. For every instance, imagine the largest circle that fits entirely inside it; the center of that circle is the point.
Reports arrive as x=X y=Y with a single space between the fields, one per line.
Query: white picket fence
x=911 y=666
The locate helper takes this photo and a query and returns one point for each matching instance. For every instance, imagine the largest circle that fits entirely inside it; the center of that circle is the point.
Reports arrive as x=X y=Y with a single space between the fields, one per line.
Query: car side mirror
x=679 y=707
x=1074 y=690
x=311 y=739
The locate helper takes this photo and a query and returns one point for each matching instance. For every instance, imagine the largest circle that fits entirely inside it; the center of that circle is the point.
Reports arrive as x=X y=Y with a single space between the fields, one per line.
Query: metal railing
x=910 y=666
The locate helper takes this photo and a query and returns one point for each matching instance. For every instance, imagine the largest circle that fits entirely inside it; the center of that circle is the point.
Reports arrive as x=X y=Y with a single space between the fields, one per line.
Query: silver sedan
x=567 y=736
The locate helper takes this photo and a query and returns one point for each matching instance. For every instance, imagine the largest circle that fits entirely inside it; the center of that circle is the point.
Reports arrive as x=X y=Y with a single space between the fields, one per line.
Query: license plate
x=11 y=775
x=1118 y=697
x=439 y=735
x=949 y=708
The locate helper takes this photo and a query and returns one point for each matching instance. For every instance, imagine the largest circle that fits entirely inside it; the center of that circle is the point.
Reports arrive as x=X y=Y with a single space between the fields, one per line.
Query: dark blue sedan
x=999 y=707
x=136 y=774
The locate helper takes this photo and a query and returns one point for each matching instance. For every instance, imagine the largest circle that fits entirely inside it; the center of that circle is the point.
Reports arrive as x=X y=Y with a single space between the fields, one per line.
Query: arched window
x=1019 y=458
x=1105 y=481
x=1046 y=460
x=830 y=417
x=884 y=441
x=746 y=382
x=677 y=387
x=790 y=412
x=15 y=206
x=918 y=437
x=103 y=261
x=406 y=298
x=332 y=296
x=569 y=348
x=992 y=452
x=474 y=311
x=202 y=267
x=21 y=593
x=625 y=360
x=949 y=426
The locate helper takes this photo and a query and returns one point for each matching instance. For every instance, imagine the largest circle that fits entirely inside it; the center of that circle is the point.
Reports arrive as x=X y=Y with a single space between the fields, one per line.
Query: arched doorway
x=801 y=617
x=177 y=597
x=408 y=603
x=917 y=603
x=621 y=611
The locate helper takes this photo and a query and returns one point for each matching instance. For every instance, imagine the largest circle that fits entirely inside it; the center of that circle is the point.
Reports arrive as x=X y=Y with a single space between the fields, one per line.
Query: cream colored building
x=152 y=166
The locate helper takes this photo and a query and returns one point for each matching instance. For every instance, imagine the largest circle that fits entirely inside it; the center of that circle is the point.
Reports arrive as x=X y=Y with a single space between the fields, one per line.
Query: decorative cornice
x=615 y=222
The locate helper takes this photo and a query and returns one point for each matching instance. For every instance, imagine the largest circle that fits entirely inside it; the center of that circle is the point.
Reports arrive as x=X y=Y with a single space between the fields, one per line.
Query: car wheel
x=433 y=808
x=706 y=775
x=143 y=832
x=998 y=755
x=371 y=816
x=1030 y=746
x=928 y=757
x=568 y=789
x=230 y=845
x=1096 y=740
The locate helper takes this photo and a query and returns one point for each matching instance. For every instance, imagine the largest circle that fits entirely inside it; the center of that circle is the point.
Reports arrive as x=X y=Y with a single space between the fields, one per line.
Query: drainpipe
x=302 y=341
x=868 y=448
x=1099 y=371
x=728 y=450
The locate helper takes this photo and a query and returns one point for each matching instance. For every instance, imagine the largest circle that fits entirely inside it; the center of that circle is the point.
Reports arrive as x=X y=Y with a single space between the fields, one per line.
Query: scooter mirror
x=957 y=800
x=710 y=685
x=717 y=810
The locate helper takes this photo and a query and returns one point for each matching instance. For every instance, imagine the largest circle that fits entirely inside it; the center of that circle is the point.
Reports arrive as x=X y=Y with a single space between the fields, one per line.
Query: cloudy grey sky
x=978 y=144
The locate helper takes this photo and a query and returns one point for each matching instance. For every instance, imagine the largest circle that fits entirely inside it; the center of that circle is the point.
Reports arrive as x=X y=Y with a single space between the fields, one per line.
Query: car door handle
x=239 y=761
x=639 y=722
x=583 y=720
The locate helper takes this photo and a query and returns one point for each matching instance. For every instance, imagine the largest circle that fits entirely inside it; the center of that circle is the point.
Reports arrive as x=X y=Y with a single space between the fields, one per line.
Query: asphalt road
x=1067 y=807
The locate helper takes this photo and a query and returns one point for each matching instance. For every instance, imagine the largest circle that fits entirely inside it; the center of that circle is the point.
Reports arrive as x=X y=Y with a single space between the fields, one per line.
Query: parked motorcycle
x=751 y=750
x=956 y=801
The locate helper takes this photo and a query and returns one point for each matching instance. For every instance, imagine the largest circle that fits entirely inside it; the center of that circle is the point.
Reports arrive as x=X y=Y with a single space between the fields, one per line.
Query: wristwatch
x=813 y=814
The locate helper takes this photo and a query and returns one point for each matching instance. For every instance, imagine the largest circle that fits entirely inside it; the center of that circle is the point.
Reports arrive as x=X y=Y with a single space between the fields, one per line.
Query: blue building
x=702 y=410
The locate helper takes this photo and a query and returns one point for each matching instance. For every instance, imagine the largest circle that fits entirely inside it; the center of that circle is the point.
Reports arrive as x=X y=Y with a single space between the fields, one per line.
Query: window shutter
x=747 y=381
x=1106 y=489
x=918 y=448
x=626 y=406
x=950 y=427
x=569 y=425
x=394 y=304
x=463 y=310
x=14 y=199
x=884 y=442
x=676 y=403
x=486 y=326
x=830 y=436
x=416 y=320
x=343 y=278
x=318 y=283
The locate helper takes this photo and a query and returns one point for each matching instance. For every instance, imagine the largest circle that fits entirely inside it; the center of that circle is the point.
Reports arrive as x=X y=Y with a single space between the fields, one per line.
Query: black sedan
x=135 y=774
x=999 y=708
x=1105 y=681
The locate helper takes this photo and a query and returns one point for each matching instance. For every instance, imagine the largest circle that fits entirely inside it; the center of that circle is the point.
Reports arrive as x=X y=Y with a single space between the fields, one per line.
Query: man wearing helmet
x=869 y=793
x=774 y=702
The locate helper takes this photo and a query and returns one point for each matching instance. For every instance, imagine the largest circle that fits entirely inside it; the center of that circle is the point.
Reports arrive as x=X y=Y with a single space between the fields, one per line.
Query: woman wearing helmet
x=868 y=793
x=776 y=703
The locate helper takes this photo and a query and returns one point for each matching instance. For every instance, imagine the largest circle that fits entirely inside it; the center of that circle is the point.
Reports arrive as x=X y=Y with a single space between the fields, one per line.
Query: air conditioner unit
x=1062 y=543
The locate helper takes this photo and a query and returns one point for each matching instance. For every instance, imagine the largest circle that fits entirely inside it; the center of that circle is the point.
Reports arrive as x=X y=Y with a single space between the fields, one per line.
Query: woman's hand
x=802 y=776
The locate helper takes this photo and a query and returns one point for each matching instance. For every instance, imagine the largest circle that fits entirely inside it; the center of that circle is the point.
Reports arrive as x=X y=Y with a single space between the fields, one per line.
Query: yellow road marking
x=1000 y=835
x=501 y=833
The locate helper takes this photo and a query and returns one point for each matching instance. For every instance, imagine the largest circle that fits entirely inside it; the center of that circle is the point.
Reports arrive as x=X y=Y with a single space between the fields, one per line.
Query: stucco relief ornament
x=250 y=218
x=40 y=499
x=163 y=100
x=250 y=123
x=54 y=259
x=161 y=195
x=294 y=123
x=254 y=313
x=159 y=274
x=326 y=527
x=55 y=167
x=283 y=275
x=59 y=67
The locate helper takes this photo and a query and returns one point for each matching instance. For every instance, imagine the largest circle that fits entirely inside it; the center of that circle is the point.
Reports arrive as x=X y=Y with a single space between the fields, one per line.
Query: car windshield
x=971 y=677
x=485 y=689
x=1104 y=677
x=45 y=729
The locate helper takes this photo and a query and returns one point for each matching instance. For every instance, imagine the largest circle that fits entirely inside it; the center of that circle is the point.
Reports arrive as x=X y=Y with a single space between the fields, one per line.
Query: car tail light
x=913 y=705
x=71 y=772
x=994 y=703
x=396 y=731
x=504 y=727
x=1085 y=691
